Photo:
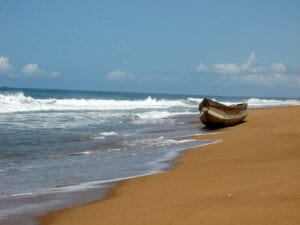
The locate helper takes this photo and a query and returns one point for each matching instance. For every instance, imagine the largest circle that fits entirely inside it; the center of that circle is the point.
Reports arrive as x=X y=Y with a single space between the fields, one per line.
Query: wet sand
x=251 y=177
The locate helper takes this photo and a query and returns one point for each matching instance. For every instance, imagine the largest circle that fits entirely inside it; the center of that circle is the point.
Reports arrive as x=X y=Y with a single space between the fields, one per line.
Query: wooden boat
x=215 y=114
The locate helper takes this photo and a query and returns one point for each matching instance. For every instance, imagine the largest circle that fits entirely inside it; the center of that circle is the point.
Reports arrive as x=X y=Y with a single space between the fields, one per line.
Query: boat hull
x=214 y=114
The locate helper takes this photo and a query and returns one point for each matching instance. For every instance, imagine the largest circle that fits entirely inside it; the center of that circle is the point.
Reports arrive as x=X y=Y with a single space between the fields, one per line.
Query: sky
x=231 y=48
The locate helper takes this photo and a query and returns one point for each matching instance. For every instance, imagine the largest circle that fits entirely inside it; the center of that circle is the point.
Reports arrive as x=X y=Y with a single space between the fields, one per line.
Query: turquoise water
x=57 y=142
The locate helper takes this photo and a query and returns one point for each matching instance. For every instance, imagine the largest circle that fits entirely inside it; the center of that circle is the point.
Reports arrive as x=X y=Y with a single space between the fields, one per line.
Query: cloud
x=201 y=68
x=118 y=75
x=251 y=72
x=251 y=62
x=5 y=66
x=29 y=70
x=229 y=68
x=32 y=69
x=278 y=68
x=55 y=74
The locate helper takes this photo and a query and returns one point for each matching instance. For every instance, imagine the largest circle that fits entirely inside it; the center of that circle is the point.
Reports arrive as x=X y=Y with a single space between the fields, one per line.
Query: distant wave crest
x=18 y=102
x=256 y=102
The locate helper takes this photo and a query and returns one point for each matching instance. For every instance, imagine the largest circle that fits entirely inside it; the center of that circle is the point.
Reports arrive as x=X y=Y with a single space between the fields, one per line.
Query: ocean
x=62 y=147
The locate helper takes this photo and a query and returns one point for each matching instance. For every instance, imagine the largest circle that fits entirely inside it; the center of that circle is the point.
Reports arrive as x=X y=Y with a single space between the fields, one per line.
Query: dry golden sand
x=251 y=177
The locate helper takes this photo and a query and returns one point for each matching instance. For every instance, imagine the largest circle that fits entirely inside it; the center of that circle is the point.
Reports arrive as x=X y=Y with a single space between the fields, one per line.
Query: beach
x=251 y=176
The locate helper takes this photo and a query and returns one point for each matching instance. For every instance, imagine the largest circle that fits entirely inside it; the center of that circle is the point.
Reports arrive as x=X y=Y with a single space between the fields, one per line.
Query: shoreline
x=32 y=205
x=133 y=194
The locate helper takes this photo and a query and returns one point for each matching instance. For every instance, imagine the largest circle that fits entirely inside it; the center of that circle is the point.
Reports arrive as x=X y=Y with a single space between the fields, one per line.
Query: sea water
x=55 y=144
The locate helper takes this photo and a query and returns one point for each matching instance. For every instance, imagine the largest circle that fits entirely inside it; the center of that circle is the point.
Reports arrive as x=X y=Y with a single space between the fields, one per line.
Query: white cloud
x=250 y=71
x=229 y=68
x=201 y=68
x=118 y=75
x=278 y=68
x=32 y=69
x=251 y=62
x=249 y=67
x=55 y=74
x=5 y=65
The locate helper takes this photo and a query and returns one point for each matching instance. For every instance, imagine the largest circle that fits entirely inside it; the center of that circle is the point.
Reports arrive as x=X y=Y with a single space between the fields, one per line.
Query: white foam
x=195 y=100
x=103 y=135
x=18 y=195
x=155 y=142
x=261 y=103
x=85 y=152
x=18 y=102
x=256 y=102
x=156 y=116
x=98 y=137
x=111 y=133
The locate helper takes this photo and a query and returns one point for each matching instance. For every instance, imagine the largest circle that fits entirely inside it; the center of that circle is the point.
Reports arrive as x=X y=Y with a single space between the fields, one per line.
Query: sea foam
x=18 y=102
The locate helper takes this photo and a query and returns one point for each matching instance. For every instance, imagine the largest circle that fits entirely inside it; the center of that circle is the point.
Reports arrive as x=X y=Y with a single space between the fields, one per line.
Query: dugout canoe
x=215 y=114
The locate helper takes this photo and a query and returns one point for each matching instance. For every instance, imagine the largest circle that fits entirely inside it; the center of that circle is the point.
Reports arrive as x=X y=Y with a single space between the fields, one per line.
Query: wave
x=18 y=102
x=155 y=142
x=255 y=102
x=109 y=133
x=81 y=153
x=156 y=117
x=194 y=100
x=103 y=135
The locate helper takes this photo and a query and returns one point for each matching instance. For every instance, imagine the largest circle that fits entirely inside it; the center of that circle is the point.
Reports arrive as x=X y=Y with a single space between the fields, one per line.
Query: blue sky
x=248 y=48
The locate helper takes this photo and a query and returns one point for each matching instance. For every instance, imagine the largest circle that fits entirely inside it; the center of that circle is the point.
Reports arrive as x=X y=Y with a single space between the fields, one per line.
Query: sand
x=251 y=177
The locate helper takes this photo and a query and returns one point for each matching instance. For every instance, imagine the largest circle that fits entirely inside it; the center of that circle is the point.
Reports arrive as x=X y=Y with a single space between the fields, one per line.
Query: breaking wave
x=18 y=102
x=255 y=102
